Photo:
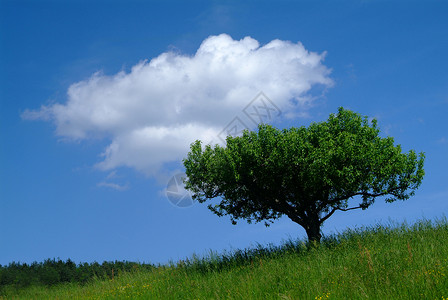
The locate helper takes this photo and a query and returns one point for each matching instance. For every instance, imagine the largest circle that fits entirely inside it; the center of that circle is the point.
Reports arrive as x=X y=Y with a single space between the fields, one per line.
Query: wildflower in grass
x=324 y=296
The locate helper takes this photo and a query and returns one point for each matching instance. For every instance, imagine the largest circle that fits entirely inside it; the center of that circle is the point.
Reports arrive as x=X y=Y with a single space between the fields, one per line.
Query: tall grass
x=394 y=261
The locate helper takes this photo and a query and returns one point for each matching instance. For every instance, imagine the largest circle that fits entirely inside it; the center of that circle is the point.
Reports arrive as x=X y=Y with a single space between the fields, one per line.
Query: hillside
x=378 y=262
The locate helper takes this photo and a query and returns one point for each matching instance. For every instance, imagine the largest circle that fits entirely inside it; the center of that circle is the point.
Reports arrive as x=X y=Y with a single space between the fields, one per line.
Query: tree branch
x=327 y=216
x=391 y=191
x=347 y=209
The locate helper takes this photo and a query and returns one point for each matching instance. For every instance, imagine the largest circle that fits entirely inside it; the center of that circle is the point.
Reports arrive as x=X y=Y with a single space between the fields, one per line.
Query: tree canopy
x=305 y=173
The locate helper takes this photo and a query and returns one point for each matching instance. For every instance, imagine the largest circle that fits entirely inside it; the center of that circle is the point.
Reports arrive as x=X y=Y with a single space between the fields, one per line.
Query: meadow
x=393 y=261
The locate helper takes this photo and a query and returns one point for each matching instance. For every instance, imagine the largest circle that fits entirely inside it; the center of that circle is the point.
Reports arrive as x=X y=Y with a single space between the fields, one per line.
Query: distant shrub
x=52 y=271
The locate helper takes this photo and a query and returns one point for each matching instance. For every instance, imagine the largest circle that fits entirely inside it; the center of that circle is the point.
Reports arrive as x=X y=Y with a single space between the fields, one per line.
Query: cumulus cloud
x=114 y=186
x=152 y=113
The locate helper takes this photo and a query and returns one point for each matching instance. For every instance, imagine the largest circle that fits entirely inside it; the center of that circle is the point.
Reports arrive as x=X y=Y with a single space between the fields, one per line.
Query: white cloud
x=114 y=186
x=442 y=140
x=152 y=113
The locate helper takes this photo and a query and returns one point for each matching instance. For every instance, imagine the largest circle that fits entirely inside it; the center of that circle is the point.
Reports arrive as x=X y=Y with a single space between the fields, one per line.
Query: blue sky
x=91 y=133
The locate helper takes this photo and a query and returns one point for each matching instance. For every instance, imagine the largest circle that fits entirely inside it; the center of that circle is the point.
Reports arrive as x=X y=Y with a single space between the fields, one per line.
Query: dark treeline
x=51 y=272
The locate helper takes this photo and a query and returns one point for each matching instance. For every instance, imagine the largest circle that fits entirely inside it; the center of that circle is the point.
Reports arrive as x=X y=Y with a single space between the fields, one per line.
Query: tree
x=305 y=173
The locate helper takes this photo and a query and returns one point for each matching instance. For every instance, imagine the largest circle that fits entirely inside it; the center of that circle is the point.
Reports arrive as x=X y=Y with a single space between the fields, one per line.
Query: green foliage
x=52 y=272
x=397 y=261
x=305 y=173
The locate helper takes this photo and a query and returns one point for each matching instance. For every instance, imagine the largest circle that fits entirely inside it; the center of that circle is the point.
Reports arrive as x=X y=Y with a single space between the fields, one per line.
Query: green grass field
x=377 y=262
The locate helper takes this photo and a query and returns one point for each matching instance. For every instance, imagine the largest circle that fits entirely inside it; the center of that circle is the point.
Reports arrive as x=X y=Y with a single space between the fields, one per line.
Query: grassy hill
x=377 y=262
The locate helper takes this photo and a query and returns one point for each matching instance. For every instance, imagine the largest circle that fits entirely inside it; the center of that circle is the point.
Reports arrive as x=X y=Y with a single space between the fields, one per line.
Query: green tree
x=305 y=173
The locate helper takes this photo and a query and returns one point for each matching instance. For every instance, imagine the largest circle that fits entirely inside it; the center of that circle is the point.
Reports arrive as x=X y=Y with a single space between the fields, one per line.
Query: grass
x=378 y=262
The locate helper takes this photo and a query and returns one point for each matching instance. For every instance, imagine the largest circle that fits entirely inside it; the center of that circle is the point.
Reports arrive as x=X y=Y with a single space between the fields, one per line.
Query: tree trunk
x=311 y=226
x=313 y=231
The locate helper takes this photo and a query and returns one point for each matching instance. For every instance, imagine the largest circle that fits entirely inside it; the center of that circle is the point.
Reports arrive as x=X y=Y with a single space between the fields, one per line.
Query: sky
x=100 y=100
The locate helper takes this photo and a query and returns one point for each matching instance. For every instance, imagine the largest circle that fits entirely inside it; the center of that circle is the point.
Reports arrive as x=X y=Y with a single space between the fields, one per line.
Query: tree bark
x=310 y=224
x=312 y=229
